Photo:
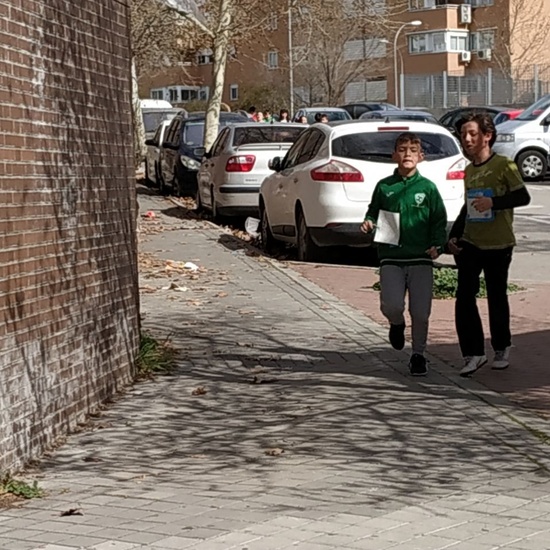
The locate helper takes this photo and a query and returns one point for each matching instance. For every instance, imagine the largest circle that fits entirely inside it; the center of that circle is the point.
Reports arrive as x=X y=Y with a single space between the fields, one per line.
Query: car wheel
x=269 y=243
x=162 y=184
x=308 y=251
x=532 y=165
x=198 y=201
x=216 y=216
x=148 y=180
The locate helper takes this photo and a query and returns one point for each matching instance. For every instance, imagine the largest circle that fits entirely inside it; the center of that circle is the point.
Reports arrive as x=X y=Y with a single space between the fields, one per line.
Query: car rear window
x=331 y=115
x=379 y=146
x=266 y=134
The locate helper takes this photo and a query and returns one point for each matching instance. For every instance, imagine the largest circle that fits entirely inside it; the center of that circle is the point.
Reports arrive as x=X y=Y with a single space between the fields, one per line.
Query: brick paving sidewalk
x=527 y=382
x=371 y=458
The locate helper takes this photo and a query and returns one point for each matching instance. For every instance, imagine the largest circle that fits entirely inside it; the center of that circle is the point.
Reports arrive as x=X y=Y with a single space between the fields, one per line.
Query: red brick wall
x=68 y=279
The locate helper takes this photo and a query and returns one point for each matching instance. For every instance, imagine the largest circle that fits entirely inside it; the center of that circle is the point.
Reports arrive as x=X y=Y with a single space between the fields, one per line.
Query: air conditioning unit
x=465 y=14
x=465 y=57
x=485 y=55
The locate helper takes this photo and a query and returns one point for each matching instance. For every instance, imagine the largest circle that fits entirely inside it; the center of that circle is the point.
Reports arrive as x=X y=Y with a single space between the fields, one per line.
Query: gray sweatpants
x=394 y=282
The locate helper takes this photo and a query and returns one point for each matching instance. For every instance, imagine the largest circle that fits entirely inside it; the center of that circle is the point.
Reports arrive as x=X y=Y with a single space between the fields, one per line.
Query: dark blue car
x=181 y=152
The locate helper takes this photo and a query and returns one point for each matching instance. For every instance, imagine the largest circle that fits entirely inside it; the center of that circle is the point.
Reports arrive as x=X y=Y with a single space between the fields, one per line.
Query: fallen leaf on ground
x=194 y=302
x=244 y=345
x=274 y=452
x=175 y=286
x=258 y=380
x=147 y=289
x=246 y=311
x=72 y=512
x=92 y=459
x=222 y=295
x=201 y=390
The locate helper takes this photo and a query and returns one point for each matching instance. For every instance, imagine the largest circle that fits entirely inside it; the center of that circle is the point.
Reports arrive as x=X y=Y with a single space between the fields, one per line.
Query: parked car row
x=311 y=185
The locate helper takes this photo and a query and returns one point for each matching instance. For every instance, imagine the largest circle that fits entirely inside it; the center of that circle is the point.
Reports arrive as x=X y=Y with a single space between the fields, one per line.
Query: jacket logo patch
x=419 y=199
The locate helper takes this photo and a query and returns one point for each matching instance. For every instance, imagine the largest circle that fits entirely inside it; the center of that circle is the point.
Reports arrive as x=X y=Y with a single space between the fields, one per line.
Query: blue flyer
x=472 y=214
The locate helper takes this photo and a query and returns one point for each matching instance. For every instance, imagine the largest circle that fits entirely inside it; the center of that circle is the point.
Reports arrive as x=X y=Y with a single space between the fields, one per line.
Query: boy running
x=413 y=204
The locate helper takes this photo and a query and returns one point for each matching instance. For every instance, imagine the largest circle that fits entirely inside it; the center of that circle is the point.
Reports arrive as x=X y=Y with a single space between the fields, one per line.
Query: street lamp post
x=397 y=78
x=290 y=61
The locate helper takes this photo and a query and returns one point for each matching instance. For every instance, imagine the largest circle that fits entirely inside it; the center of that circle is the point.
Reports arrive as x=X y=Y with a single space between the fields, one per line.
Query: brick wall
x=68 y=279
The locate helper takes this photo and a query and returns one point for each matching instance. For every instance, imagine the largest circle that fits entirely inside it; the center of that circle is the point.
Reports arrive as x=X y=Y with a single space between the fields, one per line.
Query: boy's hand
x=453 y=247
x=433 y=252
x=367 y=227
x=482 y=204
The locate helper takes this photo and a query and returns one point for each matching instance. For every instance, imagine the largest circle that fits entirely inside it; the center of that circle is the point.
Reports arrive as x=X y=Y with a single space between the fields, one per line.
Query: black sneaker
x=417 y=365
x=397 y=336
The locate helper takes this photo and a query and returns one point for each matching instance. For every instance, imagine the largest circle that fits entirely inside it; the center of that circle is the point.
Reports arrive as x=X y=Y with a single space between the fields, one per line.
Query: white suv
x=319 y=193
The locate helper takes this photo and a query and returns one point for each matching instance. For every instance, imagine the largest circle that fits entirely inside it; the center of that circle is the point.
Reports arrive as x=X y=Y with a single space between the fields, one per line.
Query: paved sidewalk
x=527 y=382
x=359 y=455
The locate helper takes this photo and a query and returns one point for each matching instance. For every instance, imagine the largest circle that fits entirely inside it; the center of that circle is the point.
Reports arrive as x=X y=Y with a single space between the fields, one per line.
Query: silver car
x=152 y=157
x=232 y=171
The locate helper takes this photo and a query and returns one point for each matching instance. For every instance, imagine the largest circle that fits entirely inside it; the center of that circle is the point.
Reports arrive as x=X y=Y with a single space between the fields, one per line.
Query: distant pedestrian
x=284 y=115
x=252 y=114
x=482 y=240
x=409 y=221
x=303 y=119
x=317 y=117
x=268 y=117
x=260 y=117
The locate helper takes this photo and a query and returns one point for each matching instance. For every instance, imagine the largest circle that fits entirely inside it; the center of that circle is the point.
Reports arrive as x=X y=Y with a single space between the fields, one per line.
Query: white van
x=526 y=139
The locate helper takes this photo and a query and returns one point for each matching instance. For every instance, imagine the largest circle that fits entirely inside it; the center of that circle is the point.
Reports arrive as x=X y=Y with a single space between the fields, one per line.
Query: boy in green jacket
x=410 y=223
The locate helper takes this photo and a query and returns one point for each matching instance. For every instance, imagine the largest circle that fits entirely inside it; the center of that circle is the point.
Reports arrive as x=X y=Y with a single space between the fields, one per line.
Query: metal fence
x=444 y=90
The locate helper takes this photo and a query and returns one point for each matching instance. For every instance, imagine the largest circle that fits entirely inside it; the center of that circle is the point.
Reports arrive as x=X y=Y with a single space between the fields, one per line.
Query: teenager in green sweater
x=412 y=205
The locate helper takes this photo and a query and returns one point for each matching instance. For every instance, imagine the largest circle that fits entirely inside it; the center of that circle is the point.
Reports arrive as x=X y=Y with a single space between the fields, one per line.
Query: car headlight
x=190 y=163
x=506 y=138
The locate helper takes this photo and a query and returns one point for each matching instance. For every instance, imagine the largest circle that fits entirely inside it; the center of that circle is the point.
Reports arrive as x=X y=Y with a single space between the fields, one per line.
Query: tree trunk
x=137 y=119
x=221 y=44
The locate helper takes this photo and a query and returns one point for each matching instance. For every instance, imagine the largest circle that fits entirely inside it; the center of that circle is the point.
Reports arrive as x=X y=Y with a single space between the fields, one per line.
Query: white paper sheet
x=387 y=228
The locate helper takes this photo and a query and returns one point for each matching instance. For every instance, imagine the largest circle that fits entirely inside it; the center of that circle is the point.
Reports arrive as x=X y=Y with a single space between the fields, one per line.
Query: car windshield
x=266 y=134
x=379 y=146
x=193 y=133
x=152 y=119
x=533 y=112
x=332 y=115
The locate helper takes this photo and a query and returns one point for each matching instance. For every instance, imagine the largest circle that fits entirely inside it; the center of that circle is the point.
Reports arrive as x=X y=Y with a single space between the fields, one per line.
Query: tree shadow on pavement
x=355 y=429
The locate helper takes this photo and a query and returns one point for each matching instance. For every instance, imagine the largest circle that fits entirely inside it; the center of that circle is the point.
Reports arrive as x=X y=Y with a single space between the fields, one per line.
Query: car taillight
x=240 y=163
x=457 y=170
x=336 y=171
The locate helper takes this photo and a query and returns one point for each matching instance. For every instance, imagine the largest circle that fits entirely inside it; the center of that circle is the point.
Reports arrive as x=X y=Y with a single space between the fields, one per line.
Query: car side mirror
x=150 y=141
x=200 y=152
x=545 y=121
x=275 y=164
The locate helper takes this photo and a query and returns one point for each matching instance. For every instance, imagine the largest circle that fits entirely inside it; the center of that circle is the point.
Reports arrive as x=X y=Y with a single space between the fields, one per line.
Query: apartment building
x=447 y=52
x=260 y=61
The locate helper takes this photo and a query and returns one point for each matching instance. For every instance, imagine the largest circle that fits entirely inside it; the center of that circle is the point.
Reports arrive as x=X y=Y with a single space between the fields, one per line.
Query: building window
x=204 y=57
x=157 y=94
x=437 y=42
x=233 y=92
x=421 y=4
x=354 y=8
x=482 y=40
x=366 y=90
x=273 y=60
x=204 y=93
x=273 y=22
x=479 y=3
x=173 y=92
x=369 y=48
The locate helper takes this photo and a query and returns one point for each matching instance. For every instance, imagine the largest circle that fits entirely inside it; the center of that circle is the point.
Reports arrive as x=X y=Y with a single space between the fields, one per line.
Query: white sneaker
x=475 y=363
x=501 y=360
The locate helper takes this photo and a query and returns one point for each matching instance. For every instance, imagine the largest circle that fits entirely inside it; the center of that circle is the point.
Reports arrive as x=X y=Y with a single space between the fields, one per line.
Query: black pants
x=495 y=265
